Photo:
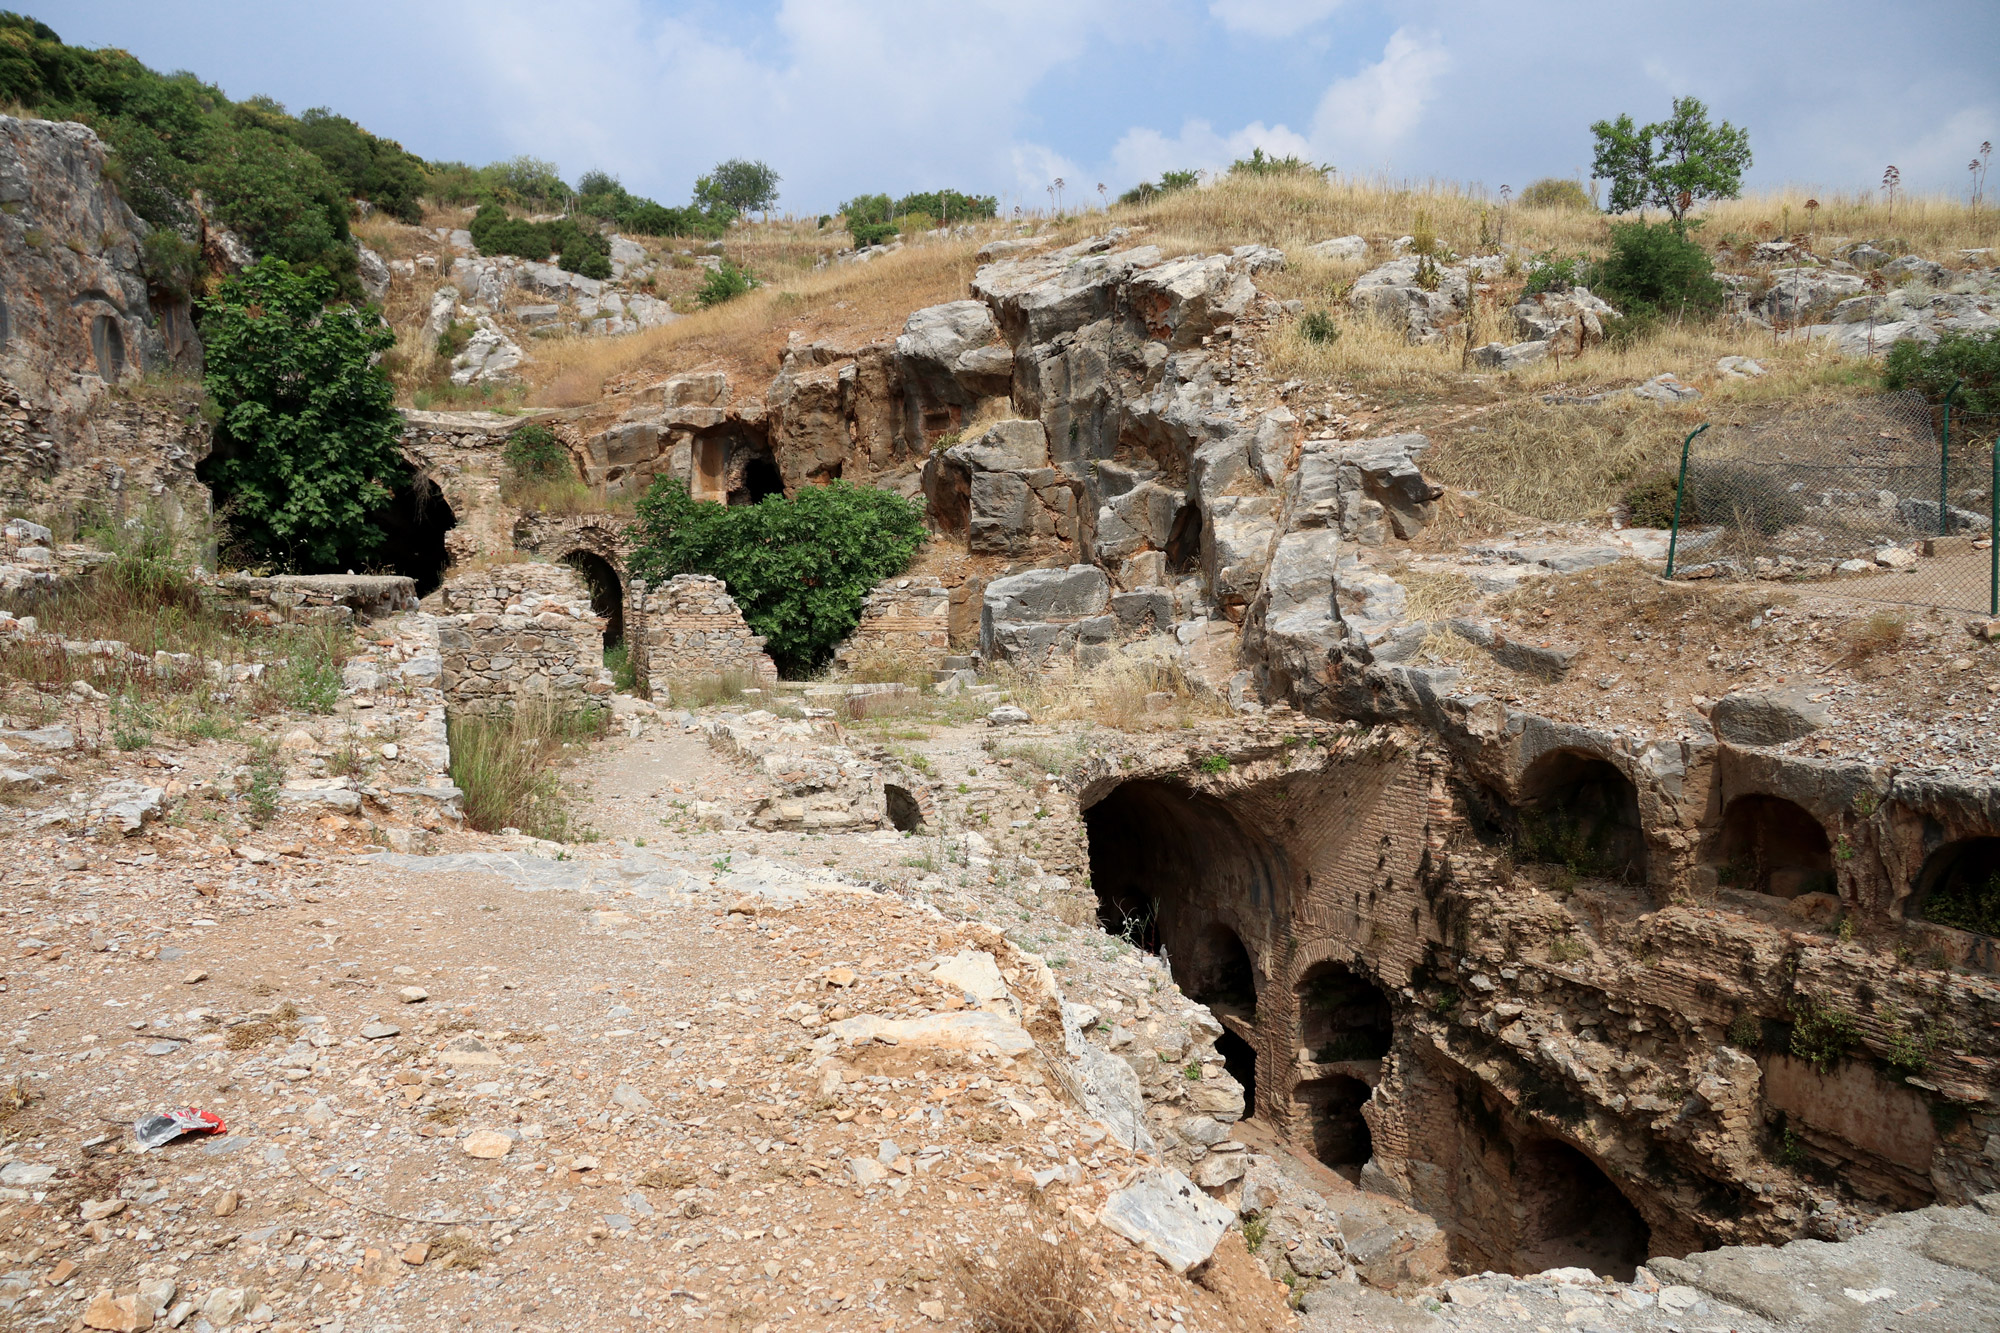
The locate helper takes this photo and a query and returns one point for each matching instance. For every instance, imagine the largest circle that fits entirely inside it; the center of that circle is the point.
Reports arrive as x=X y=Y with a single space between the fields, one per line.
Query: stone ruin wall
x=1533 y=1033
x=317 y=599
x=692 y=628
x=514 y=633
x=902 y=620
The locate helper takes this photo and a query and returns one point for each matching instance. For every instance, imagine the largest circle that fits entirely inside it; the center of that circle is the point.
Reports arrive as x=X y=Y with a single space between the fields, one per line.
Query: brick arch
x=601 y=535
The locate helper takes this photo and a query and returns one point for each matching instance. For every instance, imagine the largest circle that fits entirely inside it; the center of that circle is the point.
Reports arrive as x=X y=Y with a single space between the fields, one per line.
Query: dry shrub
x=1113 y=693
x=574 y=387
x=16 y=1097
x=669 y=1176
x=1861 y=640
x=707 y=691
x=1035 y=1288
x=246 y=1035
x=1074 y=910
x=1435 y=593
x=458 y=1249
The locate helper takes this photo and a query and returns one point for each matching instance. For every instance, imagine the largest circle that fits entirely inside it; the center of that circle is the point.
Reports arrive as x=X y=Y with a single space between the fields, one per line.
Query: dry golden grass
x=1862 y=639
x=1123 y=693
x=1034 y=1287
x=1293 y=211
x=747 y=336
x=1435 y=593
x=1560 y=462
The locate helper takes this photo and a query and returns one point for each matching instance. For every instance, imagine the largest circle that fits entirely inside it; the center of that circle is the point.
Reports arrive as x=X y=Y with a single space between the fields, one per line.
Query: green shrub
x=866 y=234
x=533 y=453
x=949 y=206
x=798 y=565
x=267 y=779
x=1260 y=163
x=1318 y=326
x=1650 y=503
x=1965 y=905
x=1170 y=183
x=496 y=232
x=725 y=283
x=1656 y=270
x=1971 y=357
x=1550 y=272
x=1551 y=192
x=308 y=447
x=1746 y=1033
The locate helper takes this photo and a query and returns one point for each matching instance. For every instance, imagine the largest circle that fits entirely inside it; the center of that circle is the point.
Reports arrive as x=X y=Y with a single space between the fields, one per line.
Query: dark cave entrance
x=1340 y=1136
x=607 y=593
x=1771 y=845
x=107 y=345
x=753 y=472
x=1580 y=812
x=903 y=810
x=1184 y=542
x=1170 y=868
x=413 y=528
x=1342 y=1016
x=1571 y=1215
x=1959 y=886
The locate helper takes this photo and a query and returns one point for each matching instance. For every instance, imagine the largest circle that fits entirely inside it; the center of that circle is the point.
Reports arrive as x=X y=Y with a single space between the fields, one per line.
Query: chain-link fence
x=1864 y=492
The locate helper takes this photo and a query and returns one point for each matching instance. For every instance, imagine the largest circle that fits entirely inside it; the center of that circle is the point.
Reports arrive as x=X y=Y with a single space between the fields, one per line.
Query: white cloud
x=1376 y=109
x=1142 y=154
x=1271 y=18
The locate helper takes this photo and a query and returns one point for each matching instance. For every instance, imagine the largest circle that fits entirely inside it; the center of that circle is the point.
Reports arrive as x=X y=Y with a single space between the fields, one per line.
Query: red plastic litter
x=166 y=1126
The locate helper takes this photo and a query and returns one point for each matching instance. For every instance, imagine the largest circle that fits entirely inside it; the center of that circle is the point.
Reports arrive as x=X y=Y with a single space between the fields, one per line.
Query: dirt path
x=511 y=1086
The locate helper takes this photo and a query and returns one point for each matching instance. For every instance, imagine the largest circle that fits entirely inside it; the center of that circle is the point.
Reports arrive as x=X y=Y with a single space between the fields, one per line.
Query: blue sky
x=1002 y=96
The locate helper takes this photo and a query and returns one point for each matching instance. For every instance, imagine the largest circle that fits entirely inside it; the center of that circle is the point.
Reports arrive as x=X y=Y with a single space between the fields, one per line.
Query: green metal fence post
x=1944 y=463
x=1680 y=489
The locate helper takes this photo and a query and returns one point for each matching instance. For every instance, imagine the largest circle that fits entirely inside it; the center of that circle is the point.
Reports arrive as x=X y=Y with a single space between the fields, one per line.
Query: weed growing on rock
x=267 y=778
x=1214 y=764
x=1822 y=1034
x=1746 y=1033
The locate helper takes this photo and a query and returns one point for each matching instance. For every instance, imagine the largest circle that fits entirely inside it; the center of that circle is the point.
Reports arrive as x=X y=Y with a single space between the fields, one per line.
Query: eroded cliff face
x=78 y=326
x=1570 y=1056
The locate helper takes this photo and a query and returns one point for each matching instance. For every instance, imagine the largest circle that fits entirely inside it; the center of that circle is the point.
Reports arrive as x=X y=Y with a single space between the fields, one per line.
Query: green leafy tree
x=798 y=565
x=739 y=186
x=307 y=445
x=1672 y=164
x=1171 y=182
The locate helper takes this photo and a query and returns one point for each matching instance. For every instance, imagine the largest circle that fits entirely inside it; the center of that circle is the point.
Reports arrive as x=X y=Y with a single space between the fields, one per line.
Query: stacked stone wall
x=317 y=599
x=518 y=633
x=692 y=628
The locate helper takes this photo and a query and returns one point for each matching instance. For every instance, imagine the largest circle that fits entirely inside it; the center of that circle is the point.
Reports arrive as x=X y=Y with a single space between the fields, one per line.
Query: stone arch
x=1343 y=1015
x=607 y=591
x=1180 y=873
x=1959 y=886
x=1581 y=810
x=1570 y=1214
x=107 y=345
x=1770 y=845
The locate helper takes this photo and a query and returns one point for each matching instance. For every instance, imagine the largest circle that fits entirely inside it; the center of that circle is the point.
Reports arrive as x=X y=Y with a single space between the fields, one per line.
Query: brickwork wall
x=691 y=628
x=907 y=618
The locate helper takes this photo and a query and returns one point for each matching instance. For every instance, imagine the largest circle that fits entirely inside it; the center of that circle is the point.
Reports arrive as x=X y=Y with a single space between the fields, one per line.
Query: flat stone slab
x=1165 y=1212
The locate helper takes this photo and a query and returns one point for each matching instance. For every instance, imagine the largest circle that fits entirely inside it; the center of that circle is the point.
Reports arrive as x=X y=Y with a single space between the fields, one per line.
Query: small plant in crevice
x=1791 y=1151
x=1822 y=1034
x=1319 y=327
x=1746 y=1033
x=267 y=779
x=1213 y=765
